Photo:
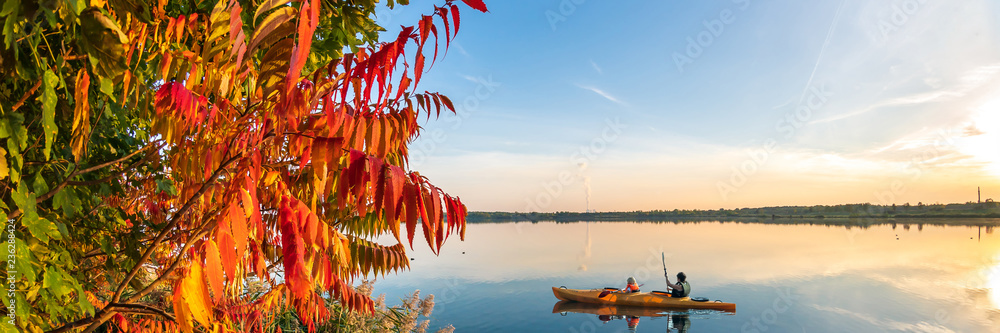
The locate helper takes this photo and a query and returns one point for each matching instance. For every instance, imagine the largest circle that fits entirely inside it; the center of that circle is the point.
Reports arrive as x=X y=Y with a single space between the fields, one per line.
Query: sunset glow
x=982 y=137
x=866 y=97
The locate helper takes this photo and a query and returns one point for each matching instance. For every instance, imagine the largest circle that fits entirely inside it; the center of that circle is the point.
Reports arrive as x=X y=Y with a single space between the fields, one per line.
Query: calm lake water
x=783 y=278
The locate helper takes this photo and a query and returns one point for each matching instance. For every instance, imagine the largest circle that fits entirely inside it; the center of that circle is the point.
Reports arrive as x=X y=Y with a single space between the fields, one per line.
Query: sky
x=569 y=105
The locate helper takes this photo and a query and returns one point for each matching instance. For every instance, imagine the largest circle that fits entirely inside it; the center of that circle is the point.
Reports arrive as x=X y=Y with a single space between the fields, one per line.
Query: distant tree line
x=850 y=211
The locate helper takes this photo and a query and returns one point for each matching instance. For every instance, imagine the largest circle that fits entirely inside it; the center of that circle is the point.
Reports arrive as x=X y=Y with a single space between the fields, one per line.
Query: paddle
x=663 y=258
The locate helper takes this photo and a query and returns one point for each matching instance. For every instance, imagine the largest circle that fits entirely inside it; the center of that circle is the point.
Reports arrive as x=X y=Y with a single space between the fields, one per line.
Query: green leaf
x=40 y=227
x=108 y=88
x=166 y=186
x=49 y=100
x=23 y=260
x=15 y=176
x=107 y=247
x=76 y=6
x=13 y=128
x=85 y=306
x=67 y=200
x=9 y=7
x=23 y=199
x=54 y=281
x=22 y=308
x=39 y=186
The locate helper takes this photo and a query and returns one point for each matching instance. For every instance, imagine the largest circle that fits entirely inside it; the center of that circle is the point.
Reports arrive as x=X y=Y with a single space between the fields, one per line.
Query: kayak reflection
x=629 y=314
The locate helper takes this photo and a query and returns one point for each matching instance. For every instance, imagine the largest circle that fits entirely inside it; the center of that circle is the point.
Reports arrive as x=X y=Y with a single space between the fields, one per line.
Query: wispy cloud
x=969 y=81
x=603 y=94
x=461 y=49
x=596 y=67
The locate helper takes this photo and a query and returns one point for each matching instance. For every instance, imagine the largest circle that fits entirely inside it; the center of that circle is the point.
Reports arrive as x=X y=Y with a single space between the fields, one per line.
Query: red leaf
x=412 y=209
x=296 y=275
x=395 y=185
x=476 y=4
x=426 y=22
x=454 y=17
x=450 y=205
x=418 y=70
x=443 y=13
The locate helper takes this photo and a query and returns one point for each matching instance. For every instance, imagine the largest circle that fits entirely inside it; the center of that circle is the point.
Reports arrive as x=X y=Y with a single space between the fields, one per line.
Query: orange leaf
x=239 y=229
x=227 y=252
x=248 y=206
x=213 y=266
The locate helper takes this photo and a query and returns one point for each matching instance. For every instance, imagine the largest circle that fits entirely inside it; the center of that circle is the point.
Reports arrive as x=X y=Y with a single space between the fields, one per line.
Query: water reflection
x=676 y=321
x=993 y=284
x=853 y=277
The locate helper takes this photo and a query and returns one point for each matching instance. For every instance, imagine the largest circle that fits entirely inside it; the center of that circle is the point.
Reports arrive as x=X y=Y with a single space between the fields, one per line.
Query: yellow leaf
x=270 y=177
x=3 y=164
x=181 y=311
x=247 y=203
x=195 y=291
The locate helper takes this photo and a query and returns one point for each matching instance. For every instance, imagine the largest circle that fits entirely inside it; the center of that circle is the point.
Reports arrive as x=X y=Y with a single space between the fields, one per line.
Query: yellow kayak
x=653 y=299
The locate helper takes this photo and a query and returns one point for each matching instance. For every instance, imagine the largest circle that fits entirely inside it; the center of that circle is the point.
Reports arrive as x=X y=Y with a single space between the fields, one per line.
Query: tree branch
x=102 y=165
x=15 y=213
x=197 y=234
x=26 y=95
x=73 y=325
x=143 y=309
x=173 y=223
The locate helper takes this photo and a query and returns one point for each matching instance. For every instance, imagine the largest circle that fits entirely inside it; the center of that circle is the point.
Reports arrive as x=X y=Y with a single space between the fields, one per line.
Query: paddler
x=630 y=286
x=682 y=288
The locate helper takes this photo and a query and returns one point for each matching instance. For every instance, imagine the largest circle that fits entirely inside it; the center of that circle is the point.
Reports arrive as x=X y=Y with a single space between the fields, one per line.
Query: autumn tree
x=159 y=156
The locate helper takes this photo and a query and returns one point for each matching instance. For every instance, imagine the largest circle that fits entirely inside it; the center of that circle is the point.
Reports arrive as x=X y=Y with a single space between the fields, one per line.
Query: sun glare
x=981 y=137
x=993 y=283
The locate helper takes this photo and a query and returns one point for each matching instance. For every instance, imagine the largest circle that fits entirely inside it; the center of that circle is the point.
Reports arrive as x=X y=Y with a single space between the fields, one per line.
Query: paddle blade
x=604 y=293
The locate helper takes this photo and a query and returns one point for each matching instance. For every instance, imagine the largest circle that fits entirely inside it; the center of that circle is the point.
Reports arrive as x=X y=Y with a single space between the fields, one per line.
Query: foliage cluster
x=155 y=156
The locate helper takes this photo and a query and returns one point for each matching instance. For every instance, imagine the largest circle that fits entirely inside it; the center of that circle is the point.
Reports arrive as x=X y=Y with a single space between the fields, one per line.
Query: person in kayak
x=630 y=286
x=682 y=288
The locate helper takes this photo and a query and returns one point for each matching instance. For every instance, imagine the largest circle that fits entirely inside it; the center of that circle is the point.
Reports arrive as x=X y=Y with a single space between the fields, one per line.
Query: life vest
x=631 y=288
x=686 y=288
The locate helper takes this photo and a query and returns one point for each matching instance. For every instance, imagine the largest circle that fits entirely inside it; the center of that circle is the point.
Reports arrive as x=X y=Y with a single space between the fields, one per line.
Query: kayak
x=607 y=309
x=650 y=299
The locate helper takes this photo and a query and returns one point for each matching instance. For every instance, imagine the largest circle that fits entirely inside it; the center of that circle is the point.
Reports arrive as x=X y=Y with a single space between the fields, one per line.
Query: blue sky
x=709 y=104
